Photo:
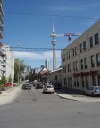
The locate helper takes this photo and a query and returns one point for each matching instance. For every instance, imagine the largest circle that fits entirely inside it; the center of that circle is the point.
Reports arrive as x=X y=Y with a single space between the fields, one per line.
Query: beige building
x=55 y=76
x=81 y=60
x=6 y=56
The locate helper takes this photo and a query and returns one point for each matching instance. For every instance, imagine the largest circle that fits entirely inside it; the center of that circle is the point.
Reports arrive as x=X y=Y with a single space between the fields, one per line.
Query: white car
x=48 y=88
x=93 y=90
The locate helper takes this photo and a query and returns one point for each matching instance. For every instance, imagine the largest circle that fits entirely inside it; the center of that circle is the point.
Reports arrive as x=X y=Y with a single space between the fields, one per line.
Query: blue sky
x=29 y=23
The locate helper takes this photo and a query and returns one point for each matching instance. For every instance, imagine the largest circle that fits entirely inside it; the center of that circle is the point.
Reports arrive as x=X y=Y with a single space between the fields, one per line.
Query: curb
x=79 y=99
x=66 y=97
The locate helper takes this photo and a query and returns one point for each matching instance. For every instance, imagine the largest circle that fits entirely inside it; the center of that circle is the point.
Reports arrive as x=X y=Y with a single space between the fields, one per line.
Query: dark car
x=26 y=86
x=38 y=85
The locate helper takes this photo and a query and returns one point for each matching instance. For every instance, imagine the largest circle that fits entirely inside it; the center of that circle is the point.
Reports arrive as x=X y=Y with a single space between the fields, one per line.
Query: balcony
x=1 y=27
x=1 y=67
x=1 y=10
x=1 y=19
x=1 y=2
x=4 y=69
x=2 y=52
x=4 y=58
x=3 y=64
x=1 y=36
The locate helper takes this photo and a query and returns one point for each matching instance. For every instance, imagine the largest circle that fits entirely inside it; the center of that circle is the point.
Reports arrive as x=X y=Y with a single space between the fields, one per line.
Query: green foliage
x=18 y=69
x=9 y=79
x=31 y=77
x=3 y=80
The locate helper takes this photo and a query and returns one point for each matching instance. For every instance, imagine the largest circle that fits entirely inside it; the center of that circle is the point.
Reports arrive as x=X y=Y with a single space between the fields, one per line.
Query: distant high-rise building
x=47 y=64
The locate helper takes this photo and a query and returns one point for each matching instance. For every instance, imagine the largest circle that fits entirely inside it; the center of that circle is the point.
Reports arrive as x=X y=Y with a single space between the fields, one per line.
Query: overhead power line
x=44 y=14
x=36 y=49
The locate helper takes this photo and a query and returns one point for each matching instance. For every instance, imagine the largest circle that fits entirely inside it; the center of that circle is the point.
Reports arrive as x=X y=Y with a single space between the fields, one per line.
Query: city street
x=33 y=109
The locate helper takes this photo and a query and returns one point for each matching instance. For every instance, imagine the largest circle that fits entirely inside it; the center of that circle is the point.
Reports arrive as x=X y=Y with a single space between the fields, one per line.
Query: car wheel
x=85 y=93
x=92 y=94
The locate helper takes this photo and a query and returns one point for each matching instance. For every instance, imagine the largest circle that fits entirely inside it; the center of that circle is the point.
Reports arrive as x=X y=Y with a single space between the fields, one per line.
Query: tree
x=18 y=69
x=3 y=80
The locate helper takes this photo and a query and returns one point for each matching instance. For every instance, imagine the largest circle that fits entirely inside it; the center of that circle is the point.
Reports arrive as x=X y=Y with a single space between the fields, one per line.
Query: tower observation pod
x=54 y=35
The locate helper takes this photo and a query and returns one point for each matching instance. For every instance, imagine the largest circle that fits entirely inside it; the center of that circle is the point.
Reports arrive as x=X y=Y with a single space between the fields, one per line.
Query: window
x=64 y=69
x=76 y=65
x=69 y=67
x=73 y=66
x=92 y=61
x=86 y=82
x=74 y=83
x=96 y=37
x=85 y=63
x=70 y=82
x=99 y=80
x=75 y=50
x=77 y=83
x=63 y=58
x=69 y=54
x=93 y=81
x=65 y=81
x=84 y=45
x=80 y=48
x=98 y=59
x=82 y=80
x=81 y=61
x=91 y=42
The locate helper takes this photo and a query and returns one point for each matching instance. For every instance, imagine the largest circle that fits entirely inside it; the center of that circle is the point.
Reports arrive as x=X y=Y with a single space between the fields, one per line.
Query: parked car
x=93 y=90
x=38 y=85
x=10 y=84
x=48 y=88
x=26 y=86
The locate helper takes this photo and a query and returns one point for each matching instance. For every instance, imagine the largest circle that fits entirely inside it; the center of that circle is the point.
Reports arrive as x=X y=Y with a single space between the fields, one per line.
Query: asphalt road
x=32 y=109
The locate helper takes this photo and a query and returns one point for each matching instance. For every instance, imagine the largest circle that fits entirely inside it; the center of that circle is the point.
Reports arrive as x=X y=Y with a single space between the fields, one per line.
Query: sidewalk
x=9 y=95
x=76 y=95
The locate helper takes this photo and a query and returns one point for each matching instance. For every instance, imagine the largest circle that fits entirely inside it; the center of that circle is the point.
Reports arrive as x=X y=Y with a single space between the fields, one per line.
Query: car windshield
x=90 y=88
x=50 y=86
x=97 y=88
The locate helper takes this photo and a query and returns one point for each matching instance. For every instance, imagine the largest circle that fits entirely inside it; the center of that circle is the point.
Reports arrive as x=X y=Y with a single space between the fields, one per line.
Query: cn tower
x=53 y=35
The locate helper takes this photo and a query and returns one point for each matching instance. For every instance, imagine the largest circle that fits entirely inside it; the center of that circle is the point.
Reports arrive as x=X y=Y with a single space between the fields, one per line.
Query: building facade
x=2 y=52
x=8 y=62
x=2 y=61
x=55 y=76
x=81 y=60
